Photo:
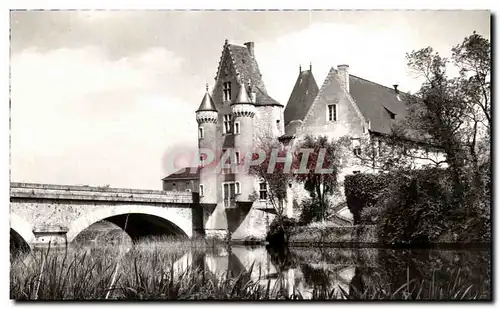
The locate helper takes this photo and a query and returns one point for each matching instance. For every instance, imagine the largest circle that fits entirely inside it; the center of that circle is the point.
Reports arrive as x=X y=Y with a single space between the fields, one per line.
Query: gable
x=350 y=121
x=238 y=65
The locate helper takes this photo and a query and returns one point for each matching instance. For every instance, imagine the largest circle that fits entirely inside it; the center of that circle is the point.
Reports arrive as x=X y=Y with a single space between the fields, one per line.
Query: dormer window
x=391 y=114
x=226 y=91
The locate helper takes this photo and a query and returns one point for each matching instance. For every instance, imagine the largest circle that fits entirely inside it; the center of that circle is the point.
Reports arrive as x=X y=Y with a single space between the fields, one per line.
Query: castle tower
x=243 y=111
x=206 y=116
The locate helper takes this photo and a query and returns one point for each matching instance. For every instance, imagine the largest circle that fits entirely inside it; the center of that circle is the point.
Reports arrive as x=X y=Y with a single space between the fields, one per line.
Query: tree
x=274 y=175
x=454 y=114
x=323 y=161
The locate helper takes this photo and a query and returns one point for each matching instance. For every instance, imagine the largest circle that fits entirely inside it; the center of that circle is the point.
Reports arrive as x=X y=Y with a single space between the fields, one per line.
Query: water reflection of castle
x=302 y=270
x=293 y=278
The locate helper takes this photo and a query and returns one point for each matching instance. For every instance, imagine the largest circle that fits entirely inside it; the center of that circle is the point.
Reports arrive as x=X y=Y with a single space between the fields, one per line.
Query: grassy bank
x=149 y=271
x=327 y=234
x=323 y=234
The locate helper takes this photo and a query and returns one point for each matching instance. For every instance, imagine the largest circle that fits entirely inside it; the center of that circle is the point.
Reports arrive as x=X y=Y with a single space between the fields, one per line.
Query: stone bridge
x=40 y=213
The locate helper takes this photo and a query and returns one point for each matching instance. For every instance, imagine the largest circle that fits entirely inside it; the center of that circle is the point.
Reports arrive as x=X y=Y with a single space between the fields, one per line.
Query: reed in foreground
x=157 y=274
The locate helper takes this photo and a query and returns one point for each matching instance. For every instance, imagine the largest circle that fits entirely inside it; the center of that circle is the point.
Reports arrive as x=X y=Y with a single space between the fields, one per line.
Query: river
x=336 y=269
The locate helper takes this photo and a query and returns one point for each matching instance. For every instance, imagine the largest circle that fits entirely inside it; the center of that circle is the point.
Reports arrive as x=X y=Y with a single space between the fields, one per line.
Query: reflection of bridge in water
x=300 y=278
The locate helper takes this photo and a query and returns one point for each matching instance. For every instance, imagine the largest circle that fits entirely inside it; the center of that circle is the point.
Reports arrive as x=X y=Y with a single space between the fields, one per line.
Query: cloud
x=77 y=117
x=377 y=55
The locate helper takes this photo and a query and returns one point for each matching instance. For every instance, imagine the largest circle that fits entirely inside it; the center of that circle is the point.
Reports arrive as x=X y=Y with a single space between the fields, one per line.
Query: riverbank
x=359 y=236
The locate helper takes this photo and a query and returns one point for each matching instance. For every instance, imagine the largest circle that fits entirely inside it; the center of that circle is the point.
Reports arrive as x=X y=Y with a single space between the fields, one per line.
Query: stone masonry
x=41 y=213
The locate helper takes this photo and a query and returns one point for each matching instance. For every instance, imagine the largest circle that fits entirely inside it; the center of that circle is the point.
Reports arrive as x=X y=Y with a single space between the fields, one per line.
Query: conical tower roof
x=207 y=104
x=243 y=96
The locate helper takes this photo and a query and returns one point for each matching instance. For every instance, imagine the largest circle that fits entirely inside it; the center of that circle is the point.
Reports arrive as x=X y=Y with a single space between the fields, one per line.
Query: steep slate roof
x=303 y=94
x=376 y=102
x=184 y=173
x=207 y=104
x=242 y=96
x=248 y=69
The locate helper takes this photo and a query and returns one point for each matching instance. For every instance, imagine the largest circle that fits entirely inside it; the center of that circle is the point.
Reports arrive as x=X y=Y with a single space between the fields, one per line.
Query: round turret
x=243 y=110
x=206 y=113
x=206 y=116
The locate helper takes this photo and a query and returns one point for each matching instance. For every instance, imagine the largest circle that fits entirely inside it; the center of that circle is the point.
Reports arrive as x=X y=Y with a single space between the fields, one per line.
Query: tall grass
x=151 y=273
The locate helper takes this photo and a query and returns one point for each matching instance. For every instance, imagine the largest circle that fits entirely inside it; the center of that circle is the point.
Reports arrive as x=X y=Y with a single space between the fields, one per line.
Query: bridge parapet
x=87 y=193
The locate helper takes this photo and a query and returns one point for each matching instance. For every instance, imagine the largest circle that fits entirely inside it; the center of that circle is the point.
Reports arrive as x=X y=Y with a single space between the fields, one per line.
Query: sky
x=103 y=97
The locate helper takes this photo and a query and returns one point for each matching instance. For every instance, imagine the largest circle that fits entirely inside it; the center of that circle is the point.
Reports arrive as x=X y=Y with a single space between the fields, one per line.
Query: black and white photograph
x=250 y=155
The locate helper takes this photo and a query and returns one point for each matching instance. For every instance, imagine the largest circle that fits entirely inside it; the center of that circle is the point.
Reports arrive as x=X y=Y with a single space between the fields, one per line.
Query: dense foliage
x=311 y=210
x=279 y=230
x=454 y=113
x=414 y=207
x=362 y=192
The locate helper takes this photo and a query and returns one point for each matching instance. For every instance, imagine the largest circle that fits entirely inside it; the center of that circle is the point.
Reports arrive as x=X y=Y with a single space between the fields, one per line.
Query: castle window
x=226 y=90
x=278 y=124
x=332 y=112
x=174 y=187
x=263 y=191
x=227 y=124
x=237 y=157
x=229 y=191
x=236 y=127
x=201 y=160
x=201 y=190
x=188 y=190
x=201 y=134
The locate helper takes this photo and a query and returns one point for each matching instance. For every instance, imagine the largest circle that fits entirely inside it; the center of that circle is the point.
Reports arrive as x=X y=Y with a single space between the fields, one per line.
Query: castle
x=239 y=111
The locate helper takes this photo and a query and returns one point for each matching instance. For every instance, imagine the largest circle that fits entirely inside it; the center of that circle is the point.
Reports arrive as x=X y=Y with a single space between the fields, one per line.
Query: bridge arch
x=23 y=228
x=167 y=218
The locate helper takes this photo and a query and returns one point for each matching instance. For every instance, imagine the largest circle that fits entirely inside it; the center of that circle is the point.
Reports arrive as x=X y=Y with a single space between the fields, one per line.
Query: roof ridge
x=231 y=44
x=367 y=80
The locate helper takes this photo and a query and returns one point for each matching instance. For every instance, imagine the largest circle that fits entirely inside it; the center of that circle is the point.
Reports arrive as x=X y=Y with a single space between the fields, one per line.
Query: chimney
x=250 y=47
x=397 y=91
x=343 y=71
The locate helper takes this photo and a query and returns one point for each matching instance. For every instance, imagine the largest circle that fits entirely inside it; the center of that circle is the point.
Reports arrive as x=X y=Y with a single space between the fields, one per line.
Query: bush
x=370 y=215
x=276 y=234
x=415 y=208
x=311 y=211
x=362 y=191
